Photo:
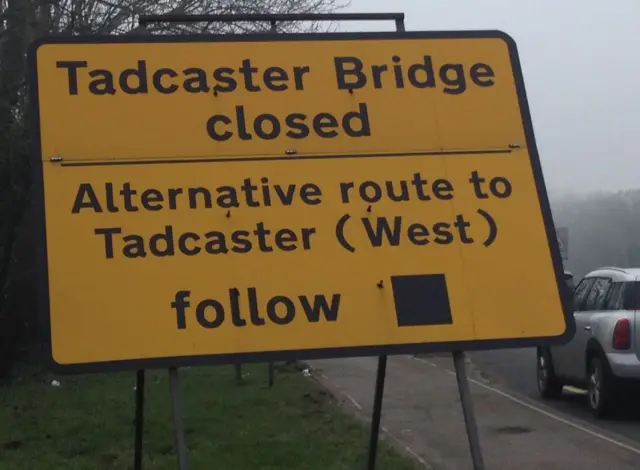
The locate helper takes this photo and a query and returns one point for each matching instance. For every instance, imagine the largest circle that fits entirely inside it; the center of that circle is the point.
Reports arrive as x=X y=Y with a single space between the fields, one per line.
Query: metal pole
x=178 y=426
x=186 y=18
x=377 y=412
x=467 y=410
x=270 y=374
x=139 y=422
x=382 y=367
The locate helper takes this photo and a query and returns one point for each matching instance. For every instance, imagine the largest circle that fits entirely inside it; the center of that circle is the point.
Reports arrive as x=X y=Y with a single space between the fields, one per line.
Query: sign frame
x=40 y=235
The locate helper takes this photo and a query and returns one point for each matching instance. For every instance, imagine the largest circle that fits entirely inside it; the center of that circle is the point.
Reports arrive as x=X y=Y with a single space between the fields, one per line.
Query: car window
x=631 y=300
x=600 y=288
x=614 y=300
x=590 y=298
x=580 y=293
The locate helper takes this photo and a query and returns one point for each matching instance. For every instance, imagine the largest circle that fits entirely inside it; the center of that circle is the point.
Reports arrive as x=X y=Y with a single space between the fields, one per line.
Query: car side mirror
x=570 y=289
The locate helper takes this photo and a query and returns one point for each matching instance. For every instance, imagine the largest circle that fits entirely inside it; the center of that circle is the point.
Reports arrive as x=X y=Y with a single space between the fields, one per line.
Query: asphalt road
x=516 y=369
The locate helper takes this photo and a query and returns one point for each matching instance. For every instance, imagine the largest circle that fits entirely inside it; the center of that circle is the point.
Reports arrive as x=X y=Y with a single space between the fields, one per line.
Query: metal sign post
x=377 y=413
x=178 y=425
x=139 y=420
x=467 y=410
x=398 y=18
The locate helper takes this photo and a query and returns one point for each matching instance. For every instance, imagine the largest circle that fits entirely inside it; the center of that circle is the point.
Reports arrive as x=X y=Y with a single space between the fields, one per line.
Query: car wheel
x=600 y=387
x=549 y=385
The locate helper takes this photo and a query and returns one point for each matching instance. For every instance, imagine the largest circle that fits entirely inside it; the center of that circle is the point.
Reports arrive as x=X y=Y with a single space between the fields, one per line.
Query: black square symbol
x=421 y=300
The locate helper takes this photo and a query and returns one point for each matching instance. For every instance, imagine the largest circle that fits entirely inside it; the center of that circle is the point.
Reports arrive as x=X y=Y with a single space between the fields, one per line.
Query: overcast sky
x=581 y=66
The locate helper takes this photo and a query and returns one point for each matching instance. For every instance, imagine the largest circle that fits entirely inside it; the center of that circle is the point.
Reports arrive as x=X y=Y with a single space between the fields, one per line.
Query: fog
x=579 y=60
x=581 y=71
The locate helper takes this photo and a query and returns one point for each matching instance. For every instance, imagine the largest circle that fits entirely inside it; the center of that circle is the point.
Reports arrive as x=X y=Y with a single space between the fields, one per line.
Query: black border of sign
x=38 y=207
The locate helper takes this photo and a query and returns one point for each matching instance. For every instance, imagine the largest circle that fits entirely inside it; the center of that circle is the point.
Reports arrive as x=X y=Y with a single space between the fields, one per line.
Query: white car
x=604 y=354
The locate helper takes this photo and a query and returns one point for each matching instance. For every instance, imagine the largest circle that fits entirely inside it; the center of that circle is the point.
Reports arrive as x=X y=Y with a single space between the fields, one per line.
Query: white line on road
x=546 y=413
x=353 y=400
x=404 y=446
x=408 y=449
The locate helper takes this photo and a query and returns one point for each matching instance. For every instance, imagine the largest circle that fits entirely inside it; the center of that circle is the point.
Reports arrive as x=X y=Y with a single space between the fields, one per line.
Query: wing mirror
x=568 y=280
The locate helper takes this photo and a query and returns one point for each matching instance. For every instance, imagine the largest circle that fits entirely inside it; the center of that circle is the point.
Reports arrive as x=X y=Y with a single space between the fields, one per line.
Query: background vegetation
x=22 y=21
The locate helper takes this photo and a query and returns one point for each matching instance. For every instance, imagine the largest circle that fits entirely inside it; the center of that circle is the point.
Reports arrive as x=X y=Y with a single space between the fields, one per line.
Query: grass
x=87 y=423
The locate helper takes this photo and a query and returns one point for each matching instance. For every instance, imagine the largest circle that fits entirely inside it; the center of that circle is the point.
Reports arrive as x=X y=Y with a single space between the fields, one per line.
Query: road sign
x=213 y=199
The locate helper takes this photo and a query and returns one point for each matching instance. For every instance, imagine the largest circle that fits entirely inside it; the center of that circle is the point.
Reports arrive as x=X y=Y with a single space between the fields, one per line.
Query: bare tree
x=120 y=16
x=15 y=17
x=21 y=21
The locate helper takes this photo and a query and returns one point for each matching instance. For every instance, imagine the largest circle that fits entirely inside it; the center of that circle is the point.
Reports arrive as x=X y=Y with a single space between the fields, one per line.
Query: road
x=516 y=369
x=422 y=417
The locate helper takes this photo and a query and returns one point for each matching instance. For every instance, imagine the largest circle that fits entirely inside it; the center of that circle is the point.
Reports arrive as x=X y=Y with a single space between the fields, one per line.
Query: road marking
x=546 y=413
x=353 y=400
x=408 y=449
x=427 y=362
x=405 y=447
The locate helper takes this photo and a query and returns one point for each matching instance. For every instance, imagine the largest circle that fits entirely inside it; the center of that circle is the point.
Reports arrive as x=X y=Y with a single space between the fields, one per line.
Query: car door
x=593 y=304
x=561 y=354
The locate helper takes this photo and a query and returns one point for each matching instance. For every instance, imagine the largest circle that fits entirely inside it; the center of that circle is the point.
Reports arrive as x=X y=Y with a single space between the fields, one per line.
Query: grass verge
x=87 y=423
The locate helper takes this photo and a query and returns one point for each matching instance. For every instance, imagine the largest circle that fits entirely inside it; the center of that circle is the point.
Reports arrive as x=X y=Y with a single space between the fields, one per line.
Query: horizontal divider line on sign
x=156 y=161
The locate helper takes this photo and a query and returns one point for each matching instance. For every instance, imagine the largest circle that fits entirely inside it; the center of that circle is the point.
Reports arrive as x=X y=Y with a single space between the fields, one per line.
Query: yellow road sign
x=212 y=199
